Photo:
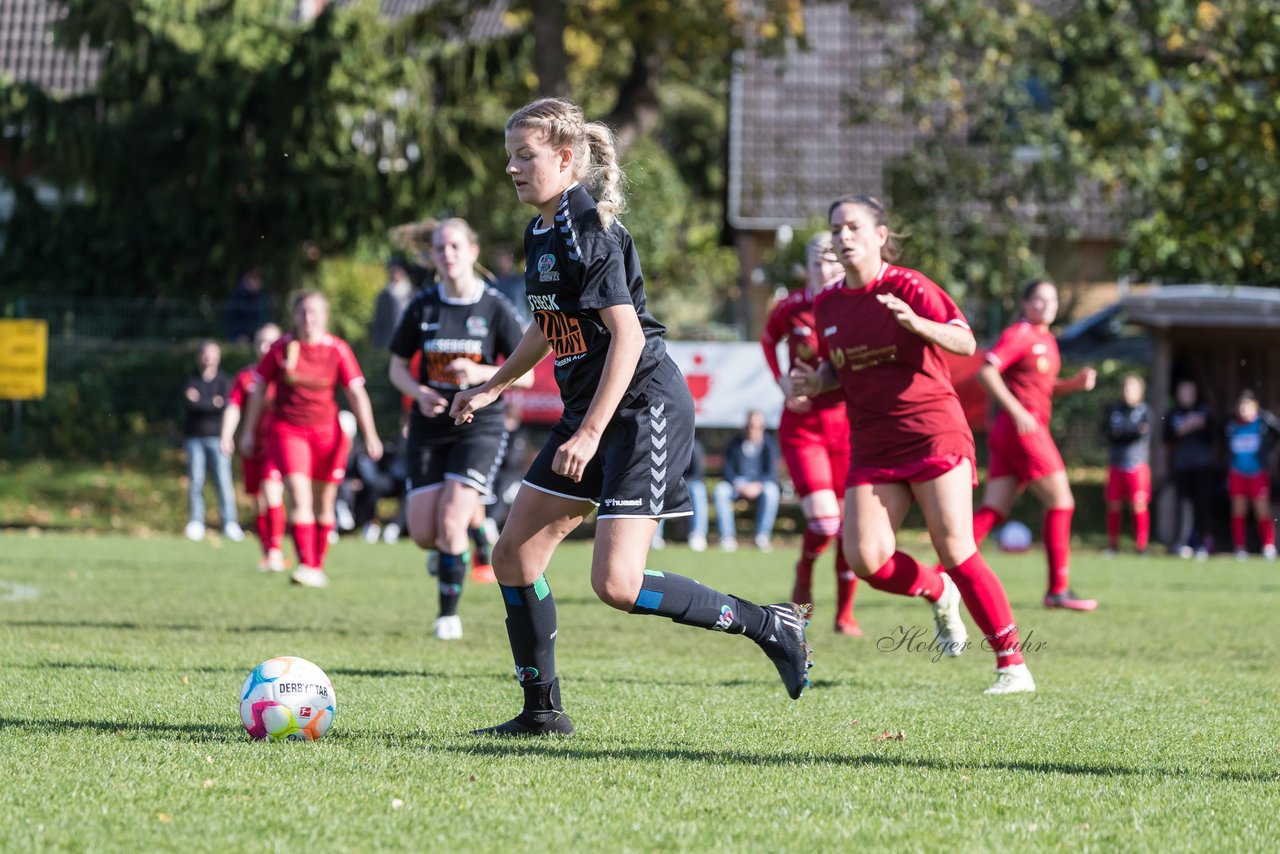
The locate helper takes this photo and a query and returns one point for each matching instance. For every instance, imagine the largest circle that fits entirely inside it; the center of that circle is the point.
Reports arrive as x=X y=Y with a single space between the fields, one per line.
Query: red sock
x=1057 y=547
x=1237 y=532
x=1113 y=528
x=983 y=521
x=846 y=585
x=264 y=530
x=322 y=543
x=275 y=527
x=1267 y=531
x=985 y=598
x=1141 y=529
x=811 y=548
x=906 y=576
x=304 y=540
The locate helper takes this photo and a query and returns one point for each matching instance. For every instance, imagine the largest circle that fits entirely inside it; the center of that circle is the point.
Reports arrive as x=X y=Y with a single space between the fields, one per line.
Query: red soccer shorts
x=1027 y=458
x=815 y=446
x=319 y=452
x=1248 y=485
x=1132 y=485
x=920 y=471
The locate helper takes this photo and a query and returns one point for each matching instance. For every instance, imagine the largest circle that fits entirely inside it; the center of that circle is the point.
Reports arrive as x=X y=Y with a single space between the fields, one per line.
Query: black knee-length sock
x=531 y=628
x=693 y=604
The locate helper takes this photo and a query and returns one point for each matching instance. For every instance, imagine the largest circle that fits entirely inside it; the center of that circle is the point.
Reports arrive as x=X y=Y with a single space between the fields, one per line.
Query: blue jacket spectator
x=751 y=472
x=247 y=309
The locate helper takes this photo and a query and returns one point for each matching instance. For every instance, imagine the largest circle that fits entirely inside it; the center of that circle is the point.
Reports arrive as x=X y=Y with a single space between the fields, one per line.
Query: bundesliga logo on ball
x=287 y=699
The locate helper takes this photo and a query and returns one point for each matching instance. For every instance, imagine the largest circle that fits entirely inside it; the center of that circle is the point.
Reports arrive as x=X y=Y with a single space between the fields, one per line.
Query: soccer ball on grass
x=1014 y=537
x=287 y=699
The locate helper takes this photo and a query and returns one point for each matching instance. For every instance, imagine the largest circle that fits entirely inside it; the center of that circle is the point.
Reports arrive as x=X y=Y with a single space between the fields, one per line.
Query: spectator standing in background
x=247 y=308
x=750 y=472
x=1250 y=436
x=392 y=300
x=510 y=283
x=205 y=397
x=1188 y=430
x=1128 y=432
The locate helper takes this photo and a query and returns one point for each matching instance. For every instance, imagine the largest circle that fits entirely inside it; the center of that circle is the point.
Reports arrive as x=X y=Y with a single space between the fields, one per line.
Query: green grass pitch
x=1155 y=727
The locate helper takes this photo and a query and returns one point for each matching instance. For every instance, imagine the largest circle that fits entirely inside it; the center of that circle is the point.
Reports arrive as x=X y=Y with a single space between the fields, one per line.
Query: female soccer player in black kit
x=627 y=430
x=461 y=327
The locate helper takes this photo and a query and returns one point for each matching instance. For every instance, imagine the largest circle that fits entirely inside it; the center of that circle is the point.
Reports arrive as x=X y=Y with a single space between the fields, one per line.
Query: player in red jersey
x=268 y=495
x=883 y=330
x=814 y=434
x=1021 y=375
x=305 y=445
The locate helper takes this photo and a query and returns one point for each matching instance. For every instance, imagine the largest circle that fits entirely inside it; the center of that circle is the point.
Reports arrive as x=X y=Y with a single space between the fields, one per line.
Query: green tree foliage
x=1029 y=114
x=223 y=134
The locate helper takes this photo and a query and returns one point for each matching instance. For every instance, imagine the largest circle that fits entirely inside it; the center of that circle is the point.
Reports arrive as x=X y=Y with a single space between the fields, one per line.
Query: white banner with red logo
x=727 y=380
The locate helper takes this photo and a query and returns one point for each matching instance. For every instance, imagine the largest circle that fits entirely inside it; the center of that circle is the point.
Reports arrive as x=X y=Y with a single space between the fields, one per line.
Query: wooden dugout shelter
x=1225 y=338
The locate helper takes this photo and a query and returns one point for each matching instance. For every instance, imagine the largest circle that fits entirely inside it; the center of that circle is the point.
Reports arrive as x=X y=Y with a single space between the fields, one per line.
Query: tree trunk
x=550 y=61
x=637 y=110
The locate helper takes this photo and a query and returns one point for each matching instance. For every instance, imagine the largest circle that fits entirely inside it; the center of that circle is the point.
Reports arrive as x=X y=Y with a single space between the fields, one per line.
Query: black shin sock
x=452 y=570
x=531 y=628
x=686 y=601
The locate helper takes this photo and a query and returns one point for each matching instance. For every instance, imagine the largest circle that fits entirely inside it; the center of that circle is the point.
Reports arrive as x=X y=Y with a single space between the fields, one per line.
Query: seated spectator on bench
x=750 y=472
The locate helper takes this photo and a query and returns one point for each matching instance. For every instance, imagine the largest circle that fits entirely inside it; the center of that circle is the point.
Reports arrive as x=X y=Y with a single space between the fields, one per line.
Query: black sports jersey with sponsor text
x=444 y=329
x=575 y=267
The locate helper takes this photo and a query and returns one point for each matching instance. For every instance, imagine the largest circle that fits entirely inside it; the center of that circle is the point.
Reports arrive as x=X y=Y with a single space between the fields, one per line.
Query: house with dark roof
x=792 y=149
x=28 y=53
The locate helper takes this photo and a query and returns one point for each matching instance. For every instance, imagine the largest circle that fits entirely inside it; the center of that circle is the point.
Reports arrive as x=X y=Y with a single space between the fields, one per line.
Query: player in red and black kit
x=268 y=495
x=305 y=445
x=626 y=434
x=1021 y=375
x=883 y=329
x=462 y=328
x=814 y=433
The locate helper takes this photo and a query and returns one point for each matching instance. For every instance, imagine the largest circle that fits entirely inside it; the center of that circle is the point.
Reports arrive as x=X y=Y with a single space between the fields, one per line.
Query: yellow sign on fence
x=24 y=356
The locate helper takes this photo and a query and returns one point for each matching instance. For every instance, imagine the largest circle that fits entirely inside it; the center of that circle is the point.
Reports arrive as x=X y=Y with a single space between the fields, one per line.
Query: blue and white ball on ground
x=287 y=699
x=1014 y=537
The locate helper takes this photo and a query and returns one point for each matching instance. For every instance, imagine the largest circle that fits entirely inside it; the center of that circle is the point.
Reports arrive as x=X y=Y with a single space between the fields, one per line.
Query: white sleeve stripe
x=958 y=322
x=993 y=359
x=358 y=381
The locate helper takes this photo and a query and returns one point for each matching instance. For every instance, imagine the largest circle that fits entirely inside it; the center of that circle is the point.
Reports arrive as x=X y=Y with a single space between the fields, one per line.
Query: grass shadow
x=373 y=673
x=130 y=626
x=563 y=749
x=149 y=729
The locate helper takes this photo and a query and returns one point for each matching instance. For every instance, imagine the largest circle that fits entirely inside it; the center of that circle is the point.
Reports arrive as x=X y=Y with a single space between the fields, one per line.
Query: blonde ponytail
x=603 y=176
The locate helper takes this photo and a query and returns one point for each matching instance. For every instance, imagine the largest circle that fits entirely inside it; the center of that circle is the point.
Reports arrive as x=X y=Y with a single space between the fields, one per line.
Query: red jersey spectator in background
x=268 y=495
x=1021 y=375
x=1128 y=432
x=883 y=330
x=813 y=433
x=305 y=444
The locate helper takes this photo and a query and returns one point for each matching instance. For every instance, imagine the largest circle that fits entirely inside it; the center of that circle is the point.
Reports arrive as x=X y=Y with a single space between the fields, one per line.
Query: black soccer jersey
x=443 y=329
x=573 y=268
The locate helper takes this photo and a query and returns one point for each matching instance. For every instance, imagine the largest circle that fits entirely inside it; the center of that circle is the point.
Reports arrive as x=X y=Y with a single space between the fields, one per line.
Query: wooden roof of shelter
x=1206 y=307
